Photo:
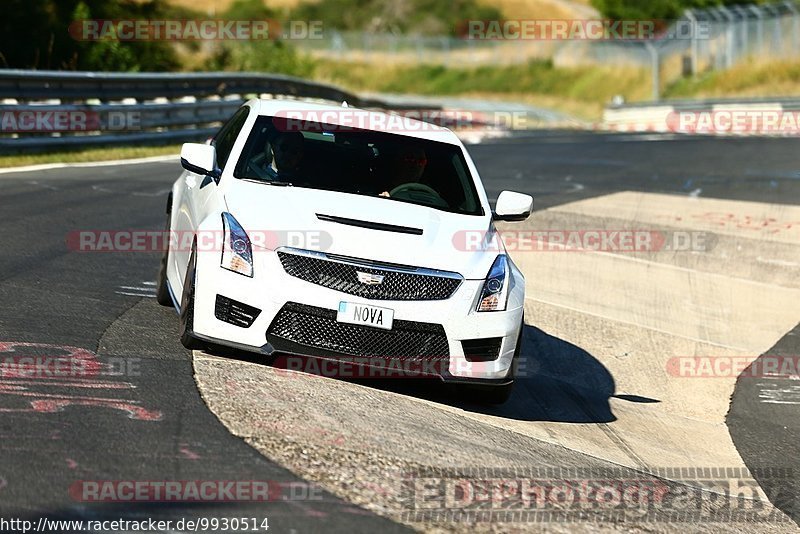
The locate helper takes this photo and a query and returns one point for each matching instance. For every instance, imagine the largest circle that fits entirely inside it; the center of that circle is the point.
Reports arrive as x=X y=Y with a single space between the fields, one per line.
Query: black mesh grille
x=482 y=350
x=396 y=285
x=317 y=327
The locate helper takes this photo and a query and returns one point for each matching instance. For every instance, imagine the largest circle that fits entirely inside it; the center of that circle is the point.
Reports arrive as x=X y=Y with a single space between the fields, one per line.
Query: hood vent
x=370 y=224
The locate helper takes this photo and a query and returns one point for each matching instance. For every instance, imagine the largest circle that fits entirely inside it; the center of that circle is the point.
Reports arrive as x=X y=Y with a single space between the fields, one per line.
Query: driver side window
x=226 y=137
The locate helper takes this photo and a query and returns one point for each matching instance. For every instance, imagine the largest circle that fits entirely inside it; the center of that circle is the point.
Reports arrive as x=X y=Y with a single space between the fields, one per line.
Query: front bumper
x=271 y=290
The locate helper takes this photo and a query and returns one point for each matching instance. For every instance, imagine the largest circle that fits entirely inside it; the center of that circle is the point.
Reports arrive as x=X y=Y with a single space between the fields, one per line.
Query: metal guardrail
x=167 y=107
x=110 y=86
x=785 y=103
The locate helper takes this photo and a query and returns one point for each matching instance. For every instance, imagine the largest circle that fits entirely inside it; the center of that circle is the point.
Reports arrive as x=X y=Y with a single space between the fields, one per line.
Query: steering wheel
x=413 y=190
x=414 y=187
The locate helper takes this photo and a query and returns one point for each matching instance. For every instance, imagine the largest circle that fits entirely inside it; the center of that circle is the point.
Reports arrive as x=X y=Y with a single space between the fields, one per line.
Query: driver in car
x=282 y=157
x=404 y=167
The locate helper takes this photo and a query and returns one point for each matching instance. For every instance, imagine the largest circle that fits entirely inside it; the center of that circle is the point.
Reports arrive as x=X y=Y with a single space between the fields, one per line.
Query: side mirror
x=200 y=159
x=513 y=207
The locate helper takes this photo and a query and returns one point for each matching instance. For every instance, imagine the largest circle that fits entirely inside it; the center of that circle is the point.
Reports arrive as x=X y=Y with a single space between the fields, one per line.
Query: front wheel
x=162 y=289
x=187 y=306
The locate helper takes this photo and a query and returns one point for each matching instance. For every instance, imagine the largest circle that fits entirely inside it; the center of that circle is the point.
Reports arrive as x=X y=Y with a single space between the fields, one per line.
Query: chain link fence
x=700 y=41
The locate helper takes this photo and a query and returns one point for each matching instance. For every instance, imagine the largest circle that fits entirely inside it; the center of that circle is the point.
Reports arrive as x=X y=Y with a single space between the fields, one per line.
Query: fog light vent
x=482 y=350
x=235 y=313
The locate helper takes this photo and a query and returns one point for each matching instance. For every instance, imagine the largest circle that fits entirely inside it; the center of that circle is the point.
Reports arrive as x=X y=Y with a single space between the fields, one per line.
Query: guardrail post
x=760 y=16
x=744 y=21
x=729 y=36
x=695 y=52
x=717 y=18
x=795 y=25
x=777 y=37
x=656 y=68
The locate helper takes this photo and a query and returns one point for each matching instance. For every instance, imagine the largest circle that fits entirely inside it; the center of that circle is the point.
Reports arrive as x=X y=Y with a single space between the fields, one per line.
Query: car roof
x=354 y=117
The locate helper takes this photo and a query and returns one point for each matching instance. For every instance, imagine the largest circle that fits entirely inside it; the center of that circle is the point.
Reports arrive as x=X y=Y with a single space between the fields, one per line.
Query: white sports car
x=344 y=235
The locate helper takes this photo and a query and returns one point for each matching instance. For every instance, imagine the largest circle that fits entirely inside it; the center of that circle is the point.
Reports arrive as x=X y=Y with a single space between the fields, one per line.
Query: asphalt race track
x=138 y=414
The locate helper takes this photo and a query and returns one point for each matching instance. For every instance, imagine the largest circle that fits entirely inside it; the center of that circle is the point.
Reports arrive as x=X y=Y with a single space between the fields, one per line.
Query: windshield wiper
x=268 y=182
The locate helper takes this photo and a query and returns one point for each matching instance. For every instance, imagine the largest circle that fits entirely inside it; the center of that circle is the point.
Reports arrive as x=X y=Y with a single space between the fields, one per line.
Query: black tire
x=162 y=290
x=187 y=306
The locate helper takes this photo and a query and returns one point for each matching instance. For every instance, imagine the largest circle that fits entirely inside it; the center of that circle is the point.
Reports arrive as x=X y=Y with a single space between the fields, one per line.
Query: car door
x=200 y=194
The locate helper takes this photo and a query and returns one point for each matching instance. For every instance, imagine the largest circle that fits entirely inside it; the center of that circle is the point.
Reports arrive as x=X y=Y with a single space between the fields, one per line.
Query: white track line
x=88 y=164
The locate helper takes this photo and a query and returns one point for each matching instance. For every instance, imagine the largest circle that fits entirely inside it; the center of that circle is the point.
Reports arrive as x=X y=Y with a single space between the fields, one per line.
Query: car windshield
x=362 y=162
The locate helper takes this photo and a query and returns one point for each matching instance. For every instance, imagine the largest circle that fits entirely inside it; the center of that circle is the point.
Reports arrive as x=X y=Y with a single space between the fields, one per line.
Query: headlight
x=237 y=253
x=495 y=290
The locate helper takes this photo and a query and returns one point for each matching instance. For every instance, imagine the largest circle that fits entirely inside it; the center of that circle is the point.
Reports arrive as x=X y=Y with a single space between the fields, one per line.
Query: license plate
x=362 y=314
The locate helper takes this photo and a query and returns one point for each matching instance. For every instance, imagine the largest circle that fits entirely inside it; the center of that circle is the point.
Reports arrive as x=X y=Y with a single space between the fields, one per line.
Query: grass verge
x=581 y=91
x=88 y=155
x=749 y=79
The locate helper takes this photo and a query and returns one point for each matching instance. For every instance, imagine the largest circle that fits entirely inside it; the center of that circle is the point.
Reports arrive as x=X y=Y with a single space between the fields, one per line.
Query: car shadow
x=556 y=382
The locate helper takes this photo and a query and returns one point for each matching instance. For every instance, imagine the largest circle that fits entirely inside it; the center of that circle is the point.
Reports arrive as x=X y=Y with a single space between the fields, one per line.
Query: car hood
x=289 y=216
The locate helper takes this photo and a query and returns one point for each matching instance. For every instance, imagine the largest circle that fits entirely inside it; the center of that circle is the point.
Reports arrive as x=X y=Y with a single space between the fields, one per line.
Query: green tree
x=34 y=34
x=431 y=17
x=272 y=55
